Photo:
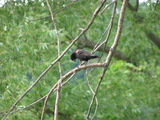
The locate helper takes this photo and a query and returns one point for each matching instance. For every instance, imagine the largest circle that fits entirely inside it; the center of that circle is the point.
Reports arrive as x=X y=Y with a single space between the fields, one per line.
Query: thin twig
x=56 y=11
x=29 y=104
x=95 y=111
x=109 y=28
x=59 y=64
x=100 y=39
x=108 y=6
x=58 y=39
x=46 y=100
x=94 y=96
x=57 y=101
x=108 y=59
x=151 y=16
x=89 y=24
x=68 y=79
x=65 y=6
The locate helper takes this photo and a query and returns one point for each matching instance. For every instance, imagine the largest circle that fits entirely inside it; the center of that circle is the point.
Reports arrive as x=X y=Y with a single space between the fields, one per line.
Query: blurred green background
x=128 y=92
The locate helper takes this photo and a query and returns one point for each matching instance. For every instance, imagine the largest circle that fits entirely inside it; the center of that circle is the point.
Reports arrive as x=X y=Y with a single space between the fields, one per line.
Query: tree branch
x=70 y=73
x=153 y=38
x=83 y=31
x=135 y=8
x=93 y=92
x=112 y=49
x=59 y=65
x=108 y=6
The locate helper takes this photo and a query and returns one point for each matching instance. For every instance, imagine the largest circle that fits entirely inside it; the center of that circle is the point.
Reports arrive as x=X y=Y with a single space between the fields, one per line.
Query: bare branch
x=58 y=39
x=57 y=101
x=29 y=104
x=108 y=6
x=93 y=94
x=64 y=77
x=108 y=59
x=83 y=31
x=59 y=65
x=56 y=11
x=109 y=30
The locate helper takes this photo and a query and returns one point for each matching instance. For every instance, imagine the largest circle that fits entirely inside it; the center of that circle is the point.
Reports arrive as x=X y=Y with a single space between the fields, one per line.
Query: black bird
x=82 y=55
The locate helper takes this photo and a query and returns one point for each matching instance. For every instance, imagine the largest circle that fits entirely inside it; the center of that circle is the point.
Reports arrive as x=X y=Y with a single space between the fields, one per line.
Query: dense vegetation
x=129 y=91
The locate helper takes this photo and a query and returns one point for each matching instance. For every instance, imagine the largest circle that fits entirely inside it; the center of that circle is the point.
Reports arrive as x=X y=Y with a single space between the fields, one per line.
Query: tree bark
x=153 y=38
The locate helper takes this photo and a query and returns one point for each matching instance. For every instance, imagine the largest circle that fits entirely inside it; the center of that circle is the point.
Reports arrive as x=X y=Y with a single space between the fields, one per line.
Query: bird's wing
x=86 y=53
x=81 y=51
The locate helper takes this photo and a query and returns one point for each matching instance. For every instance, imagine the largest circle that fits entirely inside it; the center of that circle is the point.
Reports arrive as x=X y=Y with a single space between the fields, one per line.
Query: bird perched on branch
x=82 y=55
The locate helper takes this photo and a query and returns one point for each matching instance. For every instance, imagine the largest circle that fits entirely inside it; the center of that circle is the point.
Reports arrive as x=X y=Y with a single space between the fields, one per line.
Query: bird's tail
x=95 y=56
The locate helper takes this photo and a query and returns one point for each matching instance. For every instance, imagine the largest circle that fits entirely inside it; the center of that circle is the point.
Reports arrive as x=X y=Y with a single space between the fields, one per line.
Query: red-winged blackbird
x=82 y=55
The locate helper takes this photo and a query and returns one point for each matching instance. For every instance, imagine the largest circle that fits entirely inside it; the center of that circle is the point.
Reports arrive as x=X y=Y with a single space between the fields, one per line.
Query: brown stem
x=135 y=8
x=153 y=38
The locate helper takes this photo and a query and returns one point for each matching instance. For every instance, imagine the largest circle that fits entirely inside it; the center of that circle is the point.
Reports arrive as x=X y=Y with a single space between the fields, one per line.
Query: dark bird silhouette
x=82 y=55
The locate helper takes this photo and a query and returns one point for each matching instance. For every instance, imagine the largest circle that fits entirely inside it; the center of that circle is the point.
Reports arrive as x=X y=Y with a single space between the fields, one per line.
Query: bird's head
x=73 y=56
